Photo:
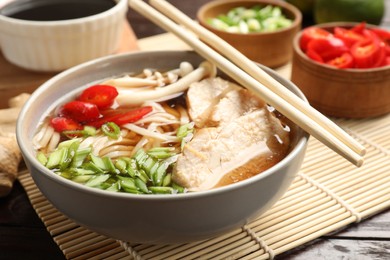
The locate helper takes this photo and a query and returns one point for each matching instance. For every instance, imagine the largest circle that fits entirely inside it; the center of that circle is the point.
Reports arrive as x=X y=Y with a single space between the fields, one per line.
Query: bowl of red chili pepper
x=263 y=30
x=343 y=68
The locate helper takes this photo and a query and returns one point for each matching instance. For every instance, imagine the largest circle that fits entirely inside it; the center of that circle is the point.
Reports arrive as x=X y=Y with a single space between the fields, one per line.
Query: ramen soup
x=158 y=132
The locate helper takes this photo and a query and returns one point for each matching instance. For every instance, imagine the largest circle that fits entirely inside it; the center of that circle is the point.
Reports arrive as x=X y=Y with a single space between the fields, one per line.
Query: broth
x=55 y=10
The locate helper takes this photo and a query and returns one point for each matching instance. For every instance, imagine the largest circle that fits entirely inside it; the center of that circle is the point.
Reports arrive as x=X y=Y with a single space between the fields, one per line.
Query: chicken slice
x=216 y=151
x=234 y=104
x=204 y=95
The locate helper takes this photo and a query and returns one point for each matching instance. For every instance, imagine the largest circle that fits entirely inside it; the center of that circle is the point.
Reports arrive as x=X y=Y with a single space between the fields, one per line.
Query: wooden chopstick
x=255 y=71
x=287 y=109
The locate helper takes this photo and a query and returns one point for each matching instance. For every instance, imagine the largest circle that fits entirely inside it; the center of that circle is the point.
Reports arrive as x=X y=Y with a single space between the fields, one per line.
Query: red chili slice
x=348 y=36
x=61 y=124
x=368 y=53
x=123 y=118
x=311 y=33
x=382 y=34
x=344 y=61
x=359 y=28
x=102 y=96
x=328 y=48
x=387 y=61
x=80 y=111
x=314 y=56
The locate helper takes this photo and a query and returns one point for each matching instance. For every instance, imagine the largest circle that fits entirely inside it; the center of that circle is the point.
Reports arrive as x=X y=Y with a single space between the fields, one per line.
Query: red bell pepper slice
x=61 y=124
x=311 y=33
x=102 y=96
x=80 y=111
x=328 y=48
x=123 y=118
x=344 y=61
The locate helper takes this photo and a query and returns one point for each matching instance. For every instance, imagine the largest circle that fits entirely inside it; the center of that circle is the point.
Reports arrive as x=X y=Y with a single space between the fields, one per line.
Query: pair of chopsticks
x=248 y=74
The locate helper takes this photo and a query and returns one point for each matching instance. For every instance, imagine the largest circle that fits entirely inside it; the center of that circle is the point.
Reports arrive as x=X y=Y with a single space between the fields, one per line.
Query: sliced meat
x=204 y=95
x=233 y=105
x=216 y=151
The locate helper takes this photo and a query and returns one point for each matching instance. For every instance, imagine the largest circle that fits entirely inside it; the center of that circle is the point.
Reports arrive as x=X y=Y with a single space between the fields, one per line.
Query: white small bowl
x=58 y=45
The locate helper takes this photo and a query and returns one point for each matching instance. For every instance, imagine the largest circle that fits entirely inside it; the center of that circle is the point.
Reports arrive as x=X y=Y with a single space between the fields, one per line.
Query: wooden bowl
x=348 y=93
x=271 y=49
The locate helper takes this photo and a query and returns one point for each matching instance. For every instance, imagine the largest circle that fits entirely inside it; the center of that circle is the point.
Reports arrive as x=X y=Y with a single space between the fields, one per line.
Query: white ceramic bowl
x=58 y=45
x=150 y=218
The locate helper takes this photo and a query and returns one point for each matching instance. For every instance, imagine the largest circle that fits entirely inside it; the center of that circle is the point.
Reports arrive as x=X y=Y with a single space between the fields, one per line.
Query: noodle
x=150 y=133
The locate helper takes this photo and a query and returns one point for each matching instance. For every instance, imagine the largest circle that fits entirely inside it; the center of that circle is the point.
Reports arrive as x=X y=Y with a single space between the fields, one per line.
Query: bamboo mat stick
x=295 y=115
x=362 y=187
x=112 y=254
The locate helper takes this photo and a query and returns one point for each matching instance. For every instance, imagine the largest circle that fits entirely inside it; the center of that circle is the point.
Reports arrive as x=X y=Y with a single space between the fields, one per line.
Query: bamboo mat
x=327 y=194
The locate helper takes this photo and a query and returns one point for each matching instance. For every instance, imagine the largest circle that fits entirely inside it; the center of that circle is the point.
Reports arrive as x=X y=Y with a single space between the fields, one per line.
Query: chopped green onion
x=161 y=190
x=98 y=161
x=57 y=158
x=161 y=152
x=92 y=167
x=79 y=157
x=141 y=185
x=121 y=165
x=109 y=165
x=114 y=187
x=248 y=20
x=111 y=130
x=97 y=180
x=42 y=158
x=167 y=180
x=82 y=178
x=147 y=172
x=87 y=131
x=127 y=182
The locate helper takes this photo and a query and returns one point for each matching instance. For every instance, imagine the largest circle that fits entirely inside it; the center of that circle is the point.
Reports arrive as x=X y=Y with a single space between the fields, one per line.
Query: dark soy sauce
x=55 y=10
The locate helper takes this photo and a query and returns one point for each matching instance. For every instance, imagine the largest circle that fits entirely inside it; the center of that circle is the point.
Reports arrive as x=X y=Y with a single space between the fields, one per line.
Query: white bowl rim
x=301 y=144
x=87 y=19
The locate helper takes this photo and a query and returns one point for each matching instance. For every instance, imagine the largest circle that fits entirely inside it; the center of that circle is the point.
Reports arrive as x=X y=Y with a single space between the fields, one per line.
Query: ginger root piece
x=10 y=155
x=10 y=158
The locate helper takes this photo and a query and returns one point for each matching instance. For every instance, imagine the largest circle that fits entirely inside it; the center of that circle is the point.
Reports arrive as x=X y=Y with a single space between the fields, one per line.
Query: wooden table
x=23 y=235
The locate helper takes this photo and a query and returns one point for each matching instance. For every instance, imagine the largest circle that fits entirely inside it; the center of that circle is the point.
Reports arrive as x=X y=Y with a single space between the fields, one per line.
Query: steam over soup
x=162 y=132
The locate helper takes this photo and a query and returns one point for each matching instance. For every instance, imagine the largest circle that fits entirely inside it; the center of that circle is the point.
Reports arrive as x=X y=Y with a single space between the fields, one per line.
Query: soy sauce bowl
x=52 y=41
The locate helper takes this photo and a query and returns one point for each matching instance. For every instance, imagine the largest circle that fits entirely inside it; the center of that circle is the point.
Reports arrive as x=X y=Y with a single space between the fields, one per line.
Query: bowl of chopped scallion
x=262 y=30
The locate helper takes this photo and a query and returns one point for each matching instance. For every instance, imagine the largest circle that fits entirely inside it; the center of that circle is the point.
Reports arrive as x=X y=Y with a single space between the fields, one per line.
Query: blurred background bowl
x=55 y=45
x=271 y=49
x=152 y=219
x=349 y=93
